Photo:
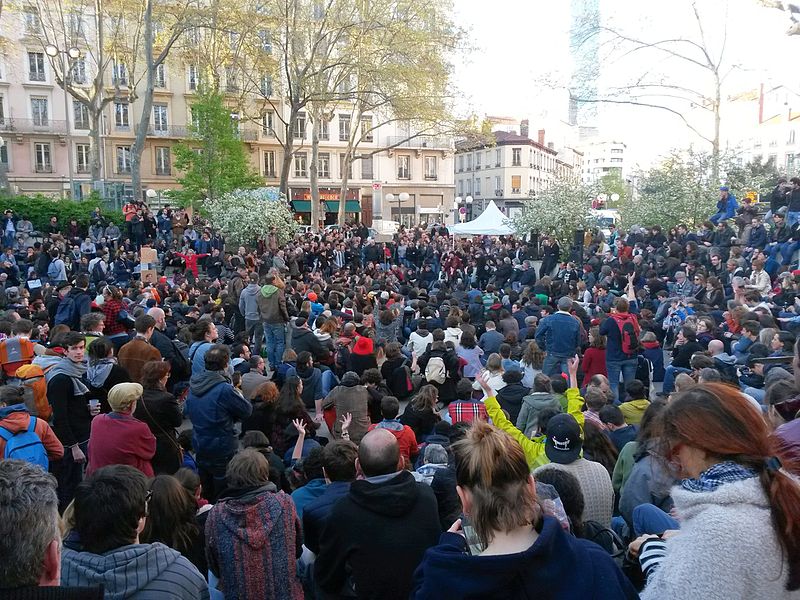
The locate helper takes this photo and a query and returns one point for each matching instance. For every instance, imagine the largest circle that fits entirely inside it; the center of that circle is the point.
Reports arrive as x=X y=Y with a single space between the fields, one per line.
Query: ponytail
x=783 y=493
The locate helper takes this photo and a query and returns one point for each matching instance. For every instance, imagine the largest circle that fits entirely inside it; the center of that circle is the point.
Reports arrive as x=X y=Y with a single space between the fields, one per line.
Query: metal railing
x=33 y=125
x=418 y=142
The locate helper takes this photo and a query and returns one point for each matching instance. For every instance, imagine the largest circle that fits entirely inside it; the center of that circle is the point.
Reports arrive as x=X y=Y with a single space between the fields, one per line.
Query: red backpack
x=629 y=331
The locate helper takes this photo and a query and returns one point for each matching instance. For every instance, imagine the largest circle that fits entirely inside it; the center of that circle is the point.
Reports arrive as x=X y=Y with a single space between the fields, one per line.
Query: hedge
x=39 y=209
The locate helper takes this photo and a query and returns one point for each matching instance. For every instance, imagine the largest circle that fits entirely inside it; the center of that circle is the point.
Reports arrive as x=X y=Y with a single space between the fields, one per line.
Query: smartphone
x=474 y=545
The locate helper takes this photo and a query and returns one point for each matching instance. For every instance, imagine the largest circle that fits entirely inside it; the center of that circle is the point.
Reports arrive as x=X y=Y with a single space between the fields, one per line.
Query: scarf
x=717 y=475
x=98 y=372
x=61 y=365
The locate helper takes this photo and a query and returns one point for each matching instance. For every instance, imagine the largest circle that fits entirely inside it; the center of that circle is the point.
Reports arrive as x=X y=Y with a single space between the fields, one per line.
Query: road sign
x=462 y=210
x=377 y=186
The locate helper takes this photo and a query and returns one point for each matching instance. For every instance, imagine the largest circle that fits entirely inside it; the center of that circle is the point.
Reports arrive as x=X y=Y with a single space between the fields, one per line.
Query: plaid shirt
x=110 y=310
x=467 y=411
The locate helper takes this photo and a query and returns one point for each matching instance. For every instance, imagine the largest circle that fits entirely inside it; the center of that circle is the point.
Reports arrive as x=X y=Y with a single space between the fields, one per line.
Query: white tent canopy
x=490 y=222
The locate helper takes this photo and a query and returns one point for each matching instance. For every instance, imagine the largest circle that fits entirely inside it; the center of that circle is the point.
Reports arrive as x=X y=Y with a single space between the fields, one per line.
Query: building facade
x=509 y=169
x=601 y=158
x=40 y=132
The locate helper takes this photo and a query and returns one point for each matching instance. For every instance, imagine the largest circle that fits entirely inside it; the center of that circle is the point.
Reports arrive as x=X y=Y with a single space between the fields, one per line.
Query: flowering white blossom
x=247 y=215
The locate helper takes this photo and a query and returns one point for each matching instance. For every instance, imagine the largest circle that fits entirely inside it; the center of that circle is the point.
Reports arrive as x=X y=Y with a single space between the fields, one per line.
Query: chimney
x=541 y=137
x=524 y=128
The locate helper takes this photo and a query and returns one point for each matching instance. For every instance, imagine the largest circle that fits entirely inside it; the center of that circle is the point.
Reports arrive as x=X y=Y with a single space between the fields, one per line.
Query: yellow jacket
x=633 y=410
x=533 y=448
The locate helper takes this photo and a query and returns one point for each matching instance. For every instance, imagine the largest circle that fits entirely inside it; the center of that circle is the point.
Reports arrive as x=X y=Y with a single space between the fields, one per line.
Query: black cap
x=563 y=444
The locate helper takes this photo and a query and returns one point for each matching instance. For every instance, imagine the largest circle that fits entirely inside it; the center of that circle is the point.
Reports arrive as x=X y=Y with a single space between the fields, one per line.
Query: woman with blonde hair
x=507 y=548
x=493 y=373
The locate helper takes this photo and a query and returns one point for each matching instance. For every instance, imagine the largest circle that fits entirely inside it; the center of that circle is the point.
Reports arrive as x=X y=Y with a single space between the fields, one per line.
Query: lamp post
x=71 y=53
x=401 y=197
x=462 y=215
x=150 y=194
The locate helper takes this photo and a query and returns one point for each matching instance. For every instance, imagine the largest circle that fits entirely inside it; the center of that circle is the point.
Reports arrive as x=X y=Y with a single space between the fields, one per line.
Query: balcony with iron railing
x=418 y=142
x=185 y=131
x=43 y=126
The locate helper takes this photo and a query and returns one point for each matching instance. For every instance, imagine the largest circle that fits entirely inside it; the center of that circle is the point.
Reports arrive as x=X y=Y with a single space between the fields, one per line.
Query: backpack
x=15 y=352
x=181 y=366
x=98 y=275
x=435 y=371
x=31 y=379
x=629 y=331
x=53 y=270
x=65 y=313
x=25 y=445
x=400 y=383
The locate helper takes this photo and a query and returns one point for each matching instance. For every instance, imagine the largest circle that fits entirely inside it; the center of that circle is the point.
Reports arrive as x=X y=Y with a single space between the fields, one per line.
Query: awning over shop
x=351 y=206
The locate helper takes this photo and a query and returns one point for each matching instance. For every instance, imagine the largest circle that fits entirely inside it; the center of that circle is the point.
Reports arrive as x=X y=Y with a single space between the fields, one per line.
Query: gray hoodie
x=141 y=571
x=532 y=405
x=247 y=302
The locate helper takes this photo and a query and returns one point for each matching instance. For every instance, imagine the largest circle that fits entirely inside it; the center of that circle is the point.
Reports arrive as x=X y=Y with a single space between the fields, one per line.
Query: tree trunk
x=137 y=148
x=343 y=191
x=96 y=103
x=95 y=124
x=288 y=146
x=715 y=140
x=313 y=171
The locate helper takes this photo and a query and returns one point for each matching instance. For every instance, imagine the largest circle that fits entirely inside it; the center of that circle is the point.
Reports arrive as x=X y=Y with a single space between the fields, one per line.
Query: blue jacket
x=214 y=407
x=308 y=493
x=559 y=334
x=757 y=238
x=729 y=206
x=557 y=565
x=317 y=511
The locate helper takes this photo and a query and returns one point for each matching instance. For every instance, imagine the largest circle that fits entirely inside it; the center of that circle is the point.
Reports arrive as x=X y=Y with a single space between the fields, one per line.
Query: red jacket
x=15 y=418
x=191 y=261
x=405 y=439
x=120 y=439
x=594 y=362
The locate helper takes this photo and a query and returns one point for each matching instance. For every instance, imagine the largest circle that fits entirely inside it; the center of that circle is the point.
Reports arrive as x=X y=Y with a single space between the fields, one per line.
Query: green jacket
x=624 y=466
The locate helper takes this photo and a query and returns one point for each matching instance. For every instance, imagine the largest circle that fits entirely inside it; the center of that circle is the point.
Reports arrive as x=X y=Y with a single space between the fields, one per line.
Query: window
x=366 y=168
x=161 y=76
x=269 y=163
x=342 y=165
x=2 y=111
x=792 y=134
x=162 y=161
x=460 y=187
x=346 y=86
x=498 y=154
x=324 y=129
x=468 y=187
x=33 y=24
x=300 y=162
x=75 y=25
x=265 y=40
x=404 y=166
x=498 y=186
x=233 y=40
x=266 y=85
x=36 y=66
x=121 y=116
x=318 y=10
x=123 y=159
x=299 y=132
x=43 y=162
x=194 y=116
x=516 y=184
x=478 y=186
x=160 y=123
x=39 y=112
x=324 y=165
x=193 y=36
x=477 y=161
x=81 y=115
x=430 y=168
x=4 y=155
x=616 y=151
x=119 y=73
x=344 y=128
x=516 y=157
x=82 y=158
x=616 y=160
x=193 y=76
x=231 y=79
x=77 y=72
x=366 y=129
x=268 y=123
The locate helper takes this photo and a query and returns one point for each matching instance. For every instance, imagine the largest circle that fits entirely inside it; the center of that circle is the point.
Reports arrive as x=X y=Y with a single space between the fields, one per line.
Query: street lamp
x=71 y=53
x=457 y=206
x=401 y=197
x=150 y=194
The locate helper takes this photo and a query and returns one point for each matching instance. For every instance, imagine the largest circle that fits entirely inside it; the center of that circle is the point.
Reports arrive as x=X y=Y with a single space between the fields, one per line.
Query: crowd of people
x=335 y=416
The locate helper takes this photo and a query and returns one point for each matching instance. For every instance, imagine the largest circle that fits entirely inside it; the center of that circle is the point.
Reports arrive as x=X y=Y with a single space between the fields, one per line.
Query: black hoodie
x=378 y=533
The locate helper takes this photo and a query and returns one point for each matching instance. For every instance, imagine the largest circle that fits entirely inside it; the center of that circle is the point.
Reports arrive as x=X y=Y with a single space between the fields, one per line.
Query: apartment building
x=601 y=158
x=40 y=131
x=509 y=168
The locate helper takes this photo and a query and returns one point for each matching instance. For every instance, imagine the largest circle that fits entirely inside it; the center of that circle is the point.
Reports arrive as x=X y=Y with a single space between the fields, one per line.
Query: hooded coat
x=532 y=406
x=214 y=407
x=134 y=571
x=350 y=397
x=271 y=303
x=377 y=535
x=248 y=302
x=303 y=339
x=253 y=539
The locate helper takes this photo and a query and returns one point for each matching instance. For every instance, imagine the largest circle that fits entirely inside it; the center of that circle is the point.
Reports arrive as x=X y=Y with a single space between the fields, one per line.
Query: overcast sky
x=521 y=44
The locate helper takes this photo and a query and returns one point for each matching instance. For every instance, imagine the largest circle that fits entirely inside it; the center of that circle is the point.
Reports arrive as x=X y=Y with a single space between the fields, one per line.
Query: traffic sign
x=377 y=185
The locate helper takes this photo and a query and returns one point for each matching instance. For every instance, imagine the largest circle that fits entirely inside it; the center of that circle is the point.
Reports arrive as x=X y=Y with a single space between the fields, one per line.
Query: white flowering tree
x=558 y=211
x=244 y=216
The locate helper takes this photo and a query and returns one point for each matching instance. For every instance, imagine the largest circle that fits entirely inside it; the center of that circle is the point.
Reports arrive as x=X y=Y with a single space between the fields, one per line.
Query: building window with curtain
x=82 y=158
x=431 y=173
x=324 y=165
x=516 y=184
x=300 y=164
x=404 y=166
x=44 y=162
x=269 y=163
x=163 y=161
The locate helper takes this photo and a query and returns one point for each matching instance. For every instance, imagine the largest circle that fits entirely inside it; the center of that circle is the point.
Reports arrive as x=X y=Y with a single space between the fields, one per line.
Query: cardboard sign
x=149 y=256
x=149 y=276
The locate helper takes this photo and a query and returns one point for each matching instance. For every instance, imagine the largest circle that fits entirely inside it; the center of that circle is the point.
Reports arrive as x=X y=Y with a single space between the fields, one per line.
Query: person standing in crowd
x=215 y=406
x=271 y=303
x=559 y=335
x=163 y=415
x=622 y=333
x=139 y=351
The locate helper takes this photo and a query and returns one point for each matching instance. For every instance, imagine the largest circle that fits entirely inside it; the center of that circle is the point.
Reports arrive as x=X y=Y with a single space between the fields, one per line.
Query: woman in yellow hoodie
x=534 y=448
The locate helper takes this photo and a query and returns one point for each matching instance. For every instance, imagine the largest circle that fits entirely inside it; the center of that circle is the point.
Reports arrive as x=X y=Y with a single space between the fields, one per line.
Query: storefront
x=329 y=200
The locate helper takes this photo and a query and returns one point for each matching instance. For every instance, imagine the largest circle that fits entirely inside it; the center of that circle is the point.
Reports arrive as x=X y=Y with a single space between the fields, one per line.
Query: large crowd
x=335 y=416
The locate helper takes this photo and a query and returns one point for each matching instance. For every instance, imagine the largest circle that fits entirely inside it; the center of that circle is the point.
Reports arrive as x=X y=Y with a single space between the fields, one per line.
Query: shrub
x=38 y=210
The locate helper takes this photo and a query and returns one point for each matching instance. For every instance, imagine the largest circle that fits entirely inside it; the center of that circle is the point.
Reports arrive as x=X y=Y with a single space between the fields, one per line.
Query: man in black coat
x=377 y=534
x=303 y=339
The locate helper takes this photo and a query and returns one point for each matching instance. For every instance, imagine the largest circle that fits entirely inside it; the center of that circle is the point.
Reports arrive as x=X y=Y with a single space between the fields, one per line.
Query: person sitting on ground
x=634 y=408
x=619 y=432
x=465 y=409
x=540 y=398
x=406 y=439
x=110 y=512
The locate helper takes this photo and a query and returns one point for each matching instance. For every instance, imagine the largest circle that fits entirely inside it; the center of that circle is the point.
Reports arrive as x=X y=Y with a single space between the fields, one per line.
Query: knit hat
x=363 y=346
x=312 y=296
x=563 y=444
x=123 y=395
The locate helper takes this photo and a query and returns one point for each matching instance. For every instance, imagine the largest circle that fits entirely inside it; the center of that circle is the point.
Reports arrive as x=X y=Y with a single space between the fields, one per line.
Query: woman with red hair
x=738 y=506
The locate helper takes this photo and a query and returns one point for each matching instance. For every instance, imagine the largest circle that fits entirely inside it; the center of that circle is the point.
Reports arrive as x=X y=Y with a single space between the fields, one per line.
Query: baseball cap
x=563 y=444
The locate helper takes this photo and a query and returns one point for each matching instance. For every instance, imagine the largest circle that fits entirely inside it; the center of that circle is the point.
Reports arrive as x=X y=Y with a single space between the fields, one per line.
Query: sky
x=519 y=62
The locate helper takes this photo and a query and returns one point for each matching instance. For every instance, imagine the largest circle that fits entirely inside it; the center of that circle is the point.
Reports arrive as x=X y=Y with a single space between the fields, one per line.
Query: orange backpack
x=34 y=385
x=15 y=352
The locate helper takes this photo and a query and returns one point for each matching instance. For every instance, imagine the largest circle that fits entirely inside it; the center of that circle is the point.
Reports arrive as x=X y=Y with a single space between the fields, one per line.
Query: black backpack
x=400 y=383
